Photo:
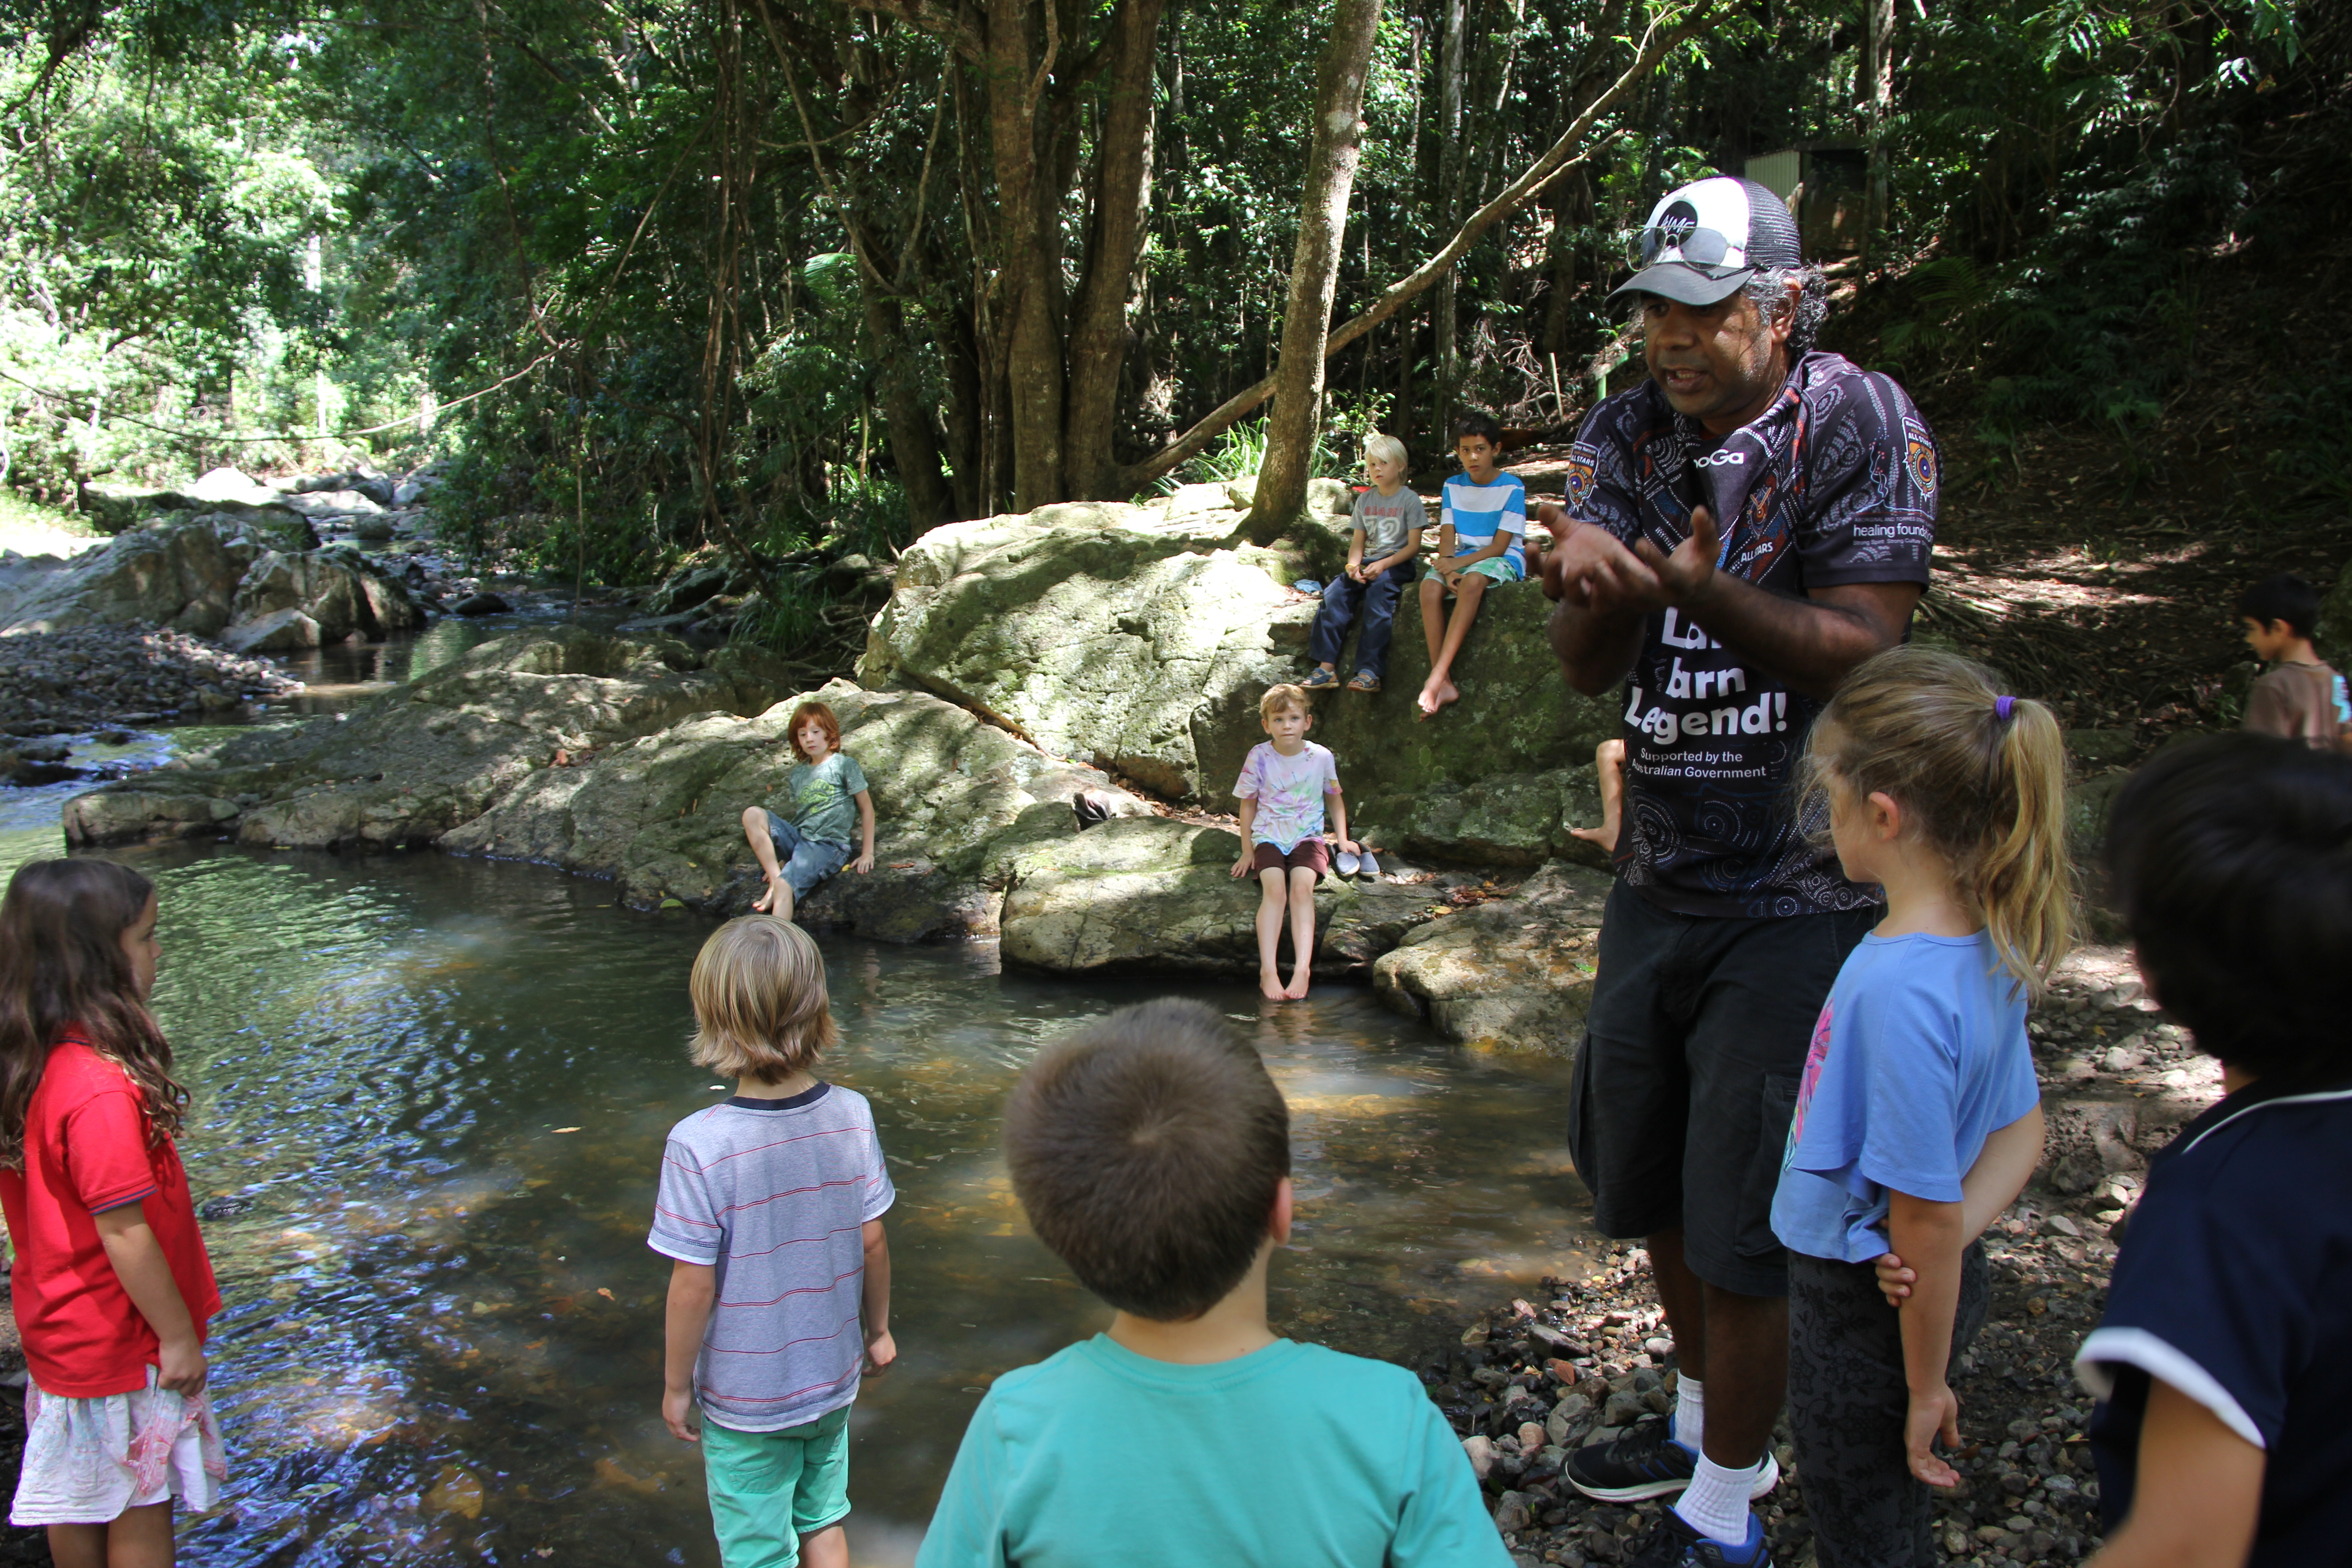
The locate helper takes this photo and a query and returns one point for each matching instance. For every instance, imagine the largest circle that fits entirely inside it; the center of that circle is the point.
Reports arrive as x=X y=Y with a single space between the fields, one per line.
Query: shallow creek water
x=430 y=1101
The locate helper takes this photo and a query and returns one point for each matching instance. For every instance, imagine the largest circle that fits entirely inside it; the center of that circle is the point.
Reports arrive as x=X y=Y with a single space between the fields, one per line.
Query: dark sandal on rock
x=1365 y=681
x=1319 y=680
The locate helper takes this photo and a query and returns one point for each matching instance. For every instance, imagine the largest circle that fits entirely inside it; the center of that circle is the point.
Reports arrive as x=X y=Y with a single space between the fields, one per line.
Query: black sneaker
x=1649 y=1463
x=1675 y=1544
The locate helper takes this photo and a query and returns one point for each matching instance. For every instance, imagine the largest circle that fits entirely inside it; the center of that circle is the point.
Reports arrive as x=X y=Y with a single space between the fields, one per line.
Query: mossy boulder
x=1139 y=639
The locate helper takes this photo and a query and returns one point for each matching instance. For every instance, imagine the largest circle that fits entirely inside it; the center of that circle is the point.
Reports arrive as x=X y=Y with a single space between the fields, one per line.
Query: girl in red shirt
x=112 y=1286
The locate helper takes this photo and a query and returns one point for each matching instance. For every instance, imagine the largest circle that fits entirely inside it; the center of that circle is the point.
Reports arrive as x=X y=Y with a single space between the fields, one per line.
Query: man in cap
x=1741 y=530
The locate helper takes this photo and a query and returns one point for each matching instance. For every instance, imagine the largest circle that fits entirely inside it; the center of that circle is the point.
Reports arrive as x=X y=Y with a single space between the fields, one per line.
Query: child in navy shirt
x=2224 y=1363
x=1918 y=1115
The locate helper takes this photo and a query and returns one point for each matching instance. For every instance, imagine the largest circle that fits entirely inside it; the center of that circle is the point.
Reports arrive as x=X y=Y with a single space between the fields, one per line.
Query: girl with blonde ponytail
x=1918 y=1117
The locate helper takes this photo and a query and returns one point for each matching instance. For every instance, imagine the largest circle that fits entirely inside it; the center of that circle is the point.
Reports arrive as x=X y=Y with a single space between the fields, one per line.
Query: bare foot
x=1269 y=985
x=767 y=900
x=1297 y=988
x=1436 y=695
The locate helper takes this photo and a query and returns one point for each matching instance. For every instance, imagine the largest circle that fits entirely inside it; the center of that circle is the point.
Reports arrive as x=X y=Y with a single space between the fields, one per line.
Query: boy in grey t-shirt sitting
x=1383 y=559
x=807 y=840
x=770 y=1210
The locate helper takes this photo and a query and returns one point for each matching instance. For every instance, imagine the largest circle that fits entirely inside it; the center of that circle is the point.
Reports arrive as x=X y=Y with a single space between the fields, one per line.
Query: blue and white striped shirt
x=1477 y=512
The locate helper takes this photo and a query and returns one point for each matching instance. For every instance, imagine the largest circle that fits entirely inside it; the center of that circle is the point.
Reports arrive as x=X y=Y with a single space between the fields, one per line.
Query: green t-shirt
x=821 y=800
x=1292 y=1457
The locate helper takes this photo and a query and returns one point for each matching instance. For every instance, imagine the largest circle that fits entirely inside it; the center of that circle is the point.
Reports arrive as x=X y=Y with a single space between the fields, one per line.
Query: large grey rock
x=279 y=631
x=1140 y=638
x=178 y=573
x=1154 y=894
x=338 y=590
x=317 y=504
x=1514 y=973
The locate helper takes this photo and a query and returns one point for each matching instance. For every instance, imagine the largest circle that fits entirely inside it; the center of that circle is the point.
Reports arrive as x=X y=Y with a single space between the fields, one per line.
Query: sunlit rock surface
x=1514 y=974
x=1139 y=639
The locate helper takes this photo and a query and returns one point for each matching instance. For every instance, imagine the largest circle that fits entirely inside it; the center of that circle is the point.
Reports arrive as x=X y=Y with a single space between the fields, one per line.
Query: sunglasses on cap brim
x=1705 y=249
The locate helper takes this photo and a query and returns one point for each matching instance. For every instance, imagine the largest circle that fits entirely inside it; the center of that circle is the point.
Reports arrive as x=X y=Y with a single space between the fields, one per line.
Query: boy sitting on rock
x=809 y=827
x=1383 y=558
x=1152 y=1151
x=1282 y=786
x=1481 y=540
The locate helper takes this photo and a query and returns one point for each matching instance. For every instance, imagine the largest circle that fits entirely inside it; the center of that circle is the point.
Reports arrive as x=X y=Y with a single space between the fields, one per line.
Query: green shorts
x=770 y=1489
x=1496 y=567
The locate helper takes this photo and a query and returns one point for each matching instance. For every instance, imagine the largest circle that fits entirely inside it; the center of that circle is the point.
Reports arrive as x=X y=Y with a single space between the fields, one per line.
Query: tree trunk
x=1444 y=314
x=1032 y=345
x=914 y=448
x=1331 y=160
x=1879 y=84
x=1098 y=329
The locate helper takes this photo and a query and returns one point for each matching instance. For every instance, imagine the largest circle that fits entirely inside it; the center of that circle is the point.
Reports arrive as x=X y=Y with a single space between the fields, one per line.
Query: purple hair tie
x=2001 y=705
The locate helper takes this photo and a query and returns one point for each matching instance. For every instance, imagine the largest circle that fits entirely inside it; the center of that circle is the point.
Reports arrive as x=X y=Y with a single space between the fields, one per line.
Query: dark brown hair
x=825 y=720
x=2231 y=862
x=1147 y=1149
x=62 y=964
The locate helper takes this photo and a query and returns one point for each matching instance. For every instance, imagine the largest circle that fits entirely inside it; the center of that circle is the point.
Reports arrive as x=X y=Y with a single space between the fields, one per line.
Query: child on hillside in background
x=1918 y=1117
x=811 y=832
x=2224 y=1363
x=770 y=1210
x=113 y=1291
x=1285 y=781
x=1152 y=1153
x=1481 y=540
x=2300 y=697
x=1383 y=558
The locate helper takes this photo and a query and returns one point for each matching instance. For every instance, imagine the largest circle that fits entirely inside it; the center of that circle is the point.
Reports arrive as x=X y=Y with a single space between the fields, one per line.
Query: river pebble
x=66 y=682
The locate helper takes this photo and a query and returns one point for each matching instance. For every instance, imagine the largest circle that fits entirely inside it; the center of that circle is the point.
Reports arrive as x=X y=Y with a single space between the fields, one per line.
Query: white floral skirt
x=86 y=1460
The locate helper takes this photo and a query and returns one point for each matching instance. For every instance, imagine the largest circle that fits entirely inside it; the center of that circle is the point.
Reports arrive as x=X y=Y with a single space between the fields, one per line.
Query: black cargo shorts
x=1682 y=1090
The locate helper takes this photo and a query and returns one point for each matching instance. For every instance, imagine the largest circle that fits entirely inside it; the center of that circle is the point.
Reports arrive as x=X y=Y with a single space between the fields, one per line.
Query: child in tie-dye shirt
x=1282 y=786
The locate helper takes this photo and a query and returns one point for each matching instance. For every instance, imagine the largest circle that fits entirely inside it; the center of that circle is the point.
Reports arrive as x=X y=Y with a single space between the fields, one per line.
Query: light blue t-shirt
x=1477 y=511
x=1919 y=1055
x=1291 y=1457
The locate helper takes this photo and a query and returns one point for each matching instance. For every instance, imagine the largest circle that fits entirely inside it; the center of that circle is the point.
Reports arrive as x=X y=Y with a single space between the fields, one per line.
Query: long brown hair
x=1983 y=778
x=62 y=964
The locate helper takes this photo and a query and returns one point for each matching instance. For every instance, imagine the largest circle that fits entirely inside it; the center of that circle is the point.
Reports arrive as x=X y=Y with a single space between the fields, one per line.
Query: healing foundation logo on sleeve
x=1582 y=462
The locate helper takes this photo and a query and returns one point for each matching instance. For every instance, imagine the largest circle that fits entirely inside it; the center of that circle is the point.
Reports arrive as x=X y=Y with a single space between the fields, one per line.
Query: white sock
x=1690 y=1413
x=1716 y=1502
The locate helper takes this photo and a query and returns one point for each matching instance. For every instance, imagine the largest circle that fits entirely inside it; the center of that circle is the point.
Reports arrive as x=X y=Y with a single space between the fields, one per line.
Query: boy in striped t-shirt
x=771 y=1210
x=1481 y=539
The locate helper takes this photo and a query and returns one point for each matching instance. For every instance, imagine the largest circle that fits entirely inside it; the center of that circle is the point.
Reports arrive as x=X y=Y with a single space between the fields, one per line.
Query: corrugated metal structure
x=1827 y=186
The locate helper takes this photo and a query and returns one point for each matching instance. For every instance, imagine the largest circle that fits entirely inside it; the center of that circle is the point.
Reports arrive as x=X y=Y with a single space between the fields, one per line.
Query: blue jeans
x=804 y=862
x=1379 y=598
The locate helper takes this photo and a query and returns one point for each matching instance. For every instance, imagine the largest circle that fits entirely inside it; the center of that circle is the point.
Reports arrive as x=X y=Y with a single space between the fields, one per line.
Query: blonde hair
x=1281 y=699
x=1982 y=778
x=759 y=1005
x=1384 y=448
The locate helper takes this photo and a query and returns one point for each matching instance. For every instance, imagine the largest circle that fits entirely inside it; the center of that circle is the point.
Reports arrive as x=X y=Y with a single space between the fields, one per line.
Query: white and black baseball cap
x=1704 y=240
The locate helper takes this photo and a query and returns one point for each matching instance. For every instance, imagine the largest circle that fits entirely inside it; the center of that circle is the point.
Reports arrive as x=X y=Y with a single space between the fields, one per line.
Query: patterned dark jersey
x=1834 y=483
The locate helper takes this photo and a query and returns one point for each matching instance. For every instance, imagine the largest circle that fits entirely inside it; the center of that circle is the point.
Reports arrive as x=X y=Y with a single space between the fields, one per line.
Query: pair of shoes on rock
x=1348 y=863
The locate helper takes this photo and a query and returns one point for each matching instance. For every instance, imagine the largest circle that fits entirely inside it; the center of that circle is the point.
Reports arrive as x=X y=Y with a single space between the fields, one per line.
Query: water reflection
x=431 y=1097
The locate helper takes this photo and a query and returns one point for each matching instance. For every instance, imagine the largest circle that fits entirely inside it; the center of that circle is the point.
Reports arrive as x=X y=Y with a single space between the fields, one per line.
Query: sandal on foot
x=1318 y=681
x=1365 y=681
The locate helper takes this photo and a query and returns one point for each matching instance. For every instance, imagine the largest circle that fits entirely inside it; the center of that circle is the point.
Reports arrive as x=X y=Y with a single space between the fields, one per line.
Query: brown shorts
x=1309 y=854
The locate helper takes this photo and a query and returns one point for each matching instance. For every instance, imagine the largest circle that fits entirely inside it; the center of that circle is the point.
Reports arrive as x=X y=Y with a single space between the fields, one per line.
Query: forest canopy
x=766 y=275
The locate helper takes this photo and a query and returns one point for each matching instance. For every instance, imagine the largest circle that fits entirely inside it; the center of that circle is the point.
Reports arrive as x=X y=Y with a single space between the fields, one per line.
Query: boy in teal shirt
x=1153 y=1154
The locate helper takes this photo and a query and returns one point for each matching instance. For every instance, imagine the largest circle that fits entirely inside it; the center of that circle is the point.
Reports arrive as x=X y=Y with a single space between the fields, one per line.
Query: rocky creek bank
x=1114 y=650
x=1583 y=1359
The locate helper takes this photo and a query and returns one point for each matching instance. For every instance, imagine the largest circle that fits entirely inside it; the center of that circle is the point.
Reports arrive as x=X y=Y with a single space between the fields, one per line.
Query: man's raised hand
x=1590 y=570
x=1684 y=576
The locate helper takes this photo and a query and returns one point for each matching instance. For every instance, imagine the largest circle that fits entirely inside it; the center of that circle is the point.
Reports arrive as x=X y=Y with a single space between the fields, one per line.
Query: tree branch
x=927 y=16
x=1660 y=41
